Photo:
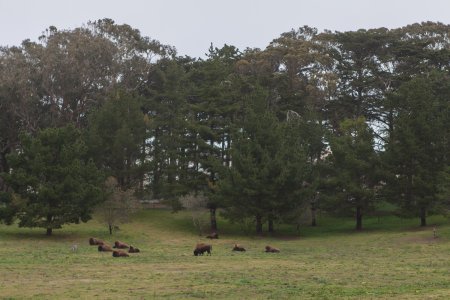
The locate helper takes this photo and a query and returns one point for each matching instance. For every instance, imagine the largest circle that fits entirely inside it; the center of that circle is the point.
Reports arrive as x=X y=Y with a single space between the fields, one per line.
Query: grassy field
x=391 y=258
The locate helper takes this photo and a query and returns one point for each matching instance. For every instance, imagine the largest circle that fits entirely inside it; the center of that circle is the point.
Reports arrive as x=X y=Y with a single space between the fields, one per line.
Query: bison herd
x=104 y=247
x=200 y=248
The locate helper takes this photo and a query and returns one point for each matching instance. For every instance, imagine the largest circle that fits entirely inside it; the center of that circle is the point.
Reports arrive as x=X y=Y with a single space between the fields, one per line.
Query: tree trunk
x=358 y=218
x=423 y=217
x=110 y=229
x=212 y=213
x=258 y=224
x=270 y=221
x=4 y=168
x=313 y=215
x=49 y=221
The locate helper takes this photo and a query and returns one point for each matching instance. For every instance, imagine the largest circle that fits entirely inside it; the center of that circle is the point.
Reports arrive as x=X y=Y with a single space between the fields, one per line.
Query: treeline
x=336 y=121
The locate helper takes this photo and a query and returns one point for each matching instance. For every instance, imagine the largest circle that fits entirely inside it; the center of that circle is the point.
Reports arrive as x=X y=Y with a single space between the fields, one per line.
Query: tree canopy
x=222 y=126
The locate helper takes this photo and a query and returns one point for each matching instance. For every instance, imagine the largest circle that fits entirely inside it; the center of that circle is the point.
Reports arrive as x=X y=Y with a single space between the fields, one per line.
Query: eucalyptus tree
x=361 y=65
x=413 y=50
x=80 y=67
x=298 y=67
x=65 y=74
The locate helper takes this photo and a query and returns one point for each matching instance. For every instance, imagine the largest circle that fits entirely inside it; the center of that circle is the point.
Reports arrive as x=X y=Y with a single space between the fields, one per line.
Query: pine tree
x=354 y=170
x=416 y=154
x=53 y=181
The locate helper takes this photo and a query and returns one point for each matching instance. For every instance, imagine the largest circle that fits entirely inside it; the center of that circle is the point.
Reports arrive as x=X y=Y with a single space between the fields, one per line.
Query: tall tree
x=265 y=176
x=214 y=104
x=53 y=181
x=165 y=105
x=354 y=170
x=417 y=152
x=115 y=136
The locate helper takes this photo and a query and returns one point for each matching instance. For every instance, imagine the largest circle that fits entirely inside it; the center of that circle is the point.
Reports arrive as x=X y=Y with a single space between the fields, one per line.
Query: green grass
x=391 y=258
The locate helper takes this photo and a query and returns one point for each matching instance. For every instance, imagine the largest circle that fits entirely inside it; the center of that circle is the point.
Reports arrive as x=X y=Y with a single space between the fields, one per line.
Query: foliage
x=116 y=136
x=265 y=177
x=170 y=126
x=416 y=156
x=354 y=170
x=53 y=179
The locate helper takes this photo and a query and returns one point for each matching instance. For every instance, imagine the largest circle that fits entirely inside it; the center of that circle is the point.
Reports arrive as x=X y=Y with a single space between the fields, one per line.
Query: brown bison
x=238 y=248
x=272 y=249
x=213 y=235
x=119 y=254
x=120 y=245
x=133 y=250
x=95 y=242
x=104 y=248
x=202 y=248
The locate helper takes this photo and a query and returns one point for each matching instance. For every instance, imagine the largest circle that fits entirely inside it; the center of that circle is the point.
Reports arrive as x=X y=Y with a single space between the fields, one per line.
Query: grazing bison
x=238 y=248
x=120 y=245
x=202 y=248
x=119 y=254
x=213 y=235
x=133 y=250
x=104 y=248
x=272 y=249
x=95 y=242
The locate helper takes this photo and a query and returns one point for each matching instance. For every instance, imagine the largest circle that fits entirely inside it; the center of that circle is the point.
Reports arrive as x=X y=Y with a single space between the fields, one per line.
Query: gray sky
x=191 y=25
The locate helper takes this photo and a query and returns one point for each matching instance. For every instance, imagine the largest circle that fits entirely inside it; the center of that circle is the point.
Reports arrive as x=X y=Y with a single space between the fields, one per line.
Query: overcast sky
x=192 y=25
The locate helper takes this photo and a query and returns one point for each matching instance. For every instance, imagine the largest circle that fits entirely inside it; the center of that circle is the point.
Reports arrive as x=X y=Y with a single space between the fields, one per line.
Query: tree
x=417 y=153
x=115 y=137
x=267 y=169
x=118 y=206
x=213 y=105
x=354 y=170
x=56 y=182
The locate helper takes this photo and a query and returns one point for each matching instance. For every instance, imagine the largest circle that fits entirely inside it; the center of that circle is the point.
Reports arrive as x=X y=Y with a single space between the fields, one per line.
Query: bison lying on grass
x=105 y=248
x=95 y=242
x=238 y=248
x=119 y=254
x=120 y=245
x=272 y=249
x=133 y=250
x=202 y=248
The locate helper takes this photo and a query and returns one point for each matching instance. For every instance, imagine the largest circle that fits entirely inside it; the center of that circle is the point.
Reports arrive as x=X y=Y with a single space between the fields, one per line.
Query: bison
x=202 y=248
x=238 y=248
x=95 y=242
x=272 y=249
x=104 y=248
x=133 y=250
x=119 y=254
x=213 y=235
x=120 y=245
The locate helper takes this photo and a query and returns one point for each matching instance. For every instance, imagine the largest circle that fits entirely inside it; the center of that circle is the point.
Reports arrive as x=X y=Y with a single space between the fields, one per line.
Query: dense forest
x=341 y=122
